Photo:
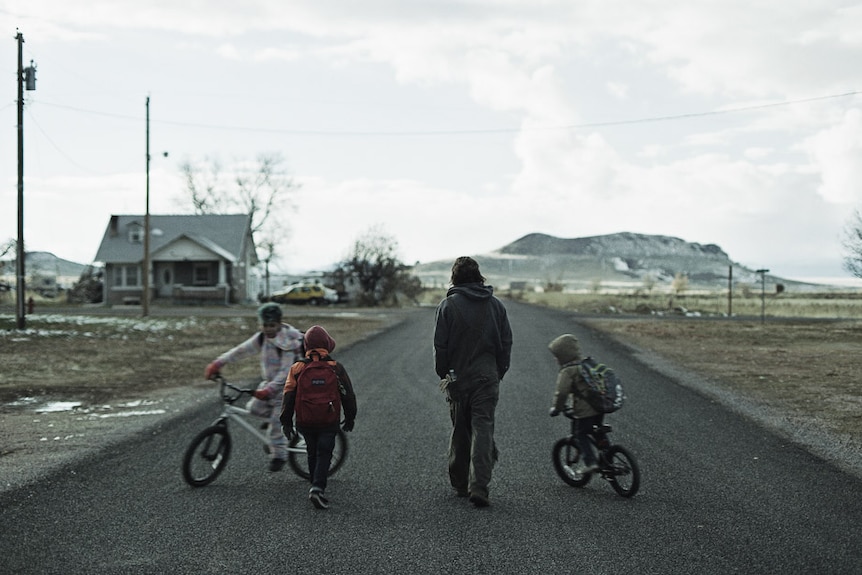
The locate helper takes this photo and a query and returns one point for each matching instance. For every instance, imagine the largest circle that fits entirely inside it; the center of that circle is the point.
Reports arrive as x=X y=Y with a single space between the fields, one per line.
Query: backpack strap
x=318 y=356
x=581 y=364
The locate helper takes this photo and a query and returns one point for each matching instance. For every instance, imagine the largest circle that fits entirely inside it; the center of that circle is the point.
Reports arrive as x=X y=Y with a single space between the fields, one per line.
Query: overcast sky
x=456 y=126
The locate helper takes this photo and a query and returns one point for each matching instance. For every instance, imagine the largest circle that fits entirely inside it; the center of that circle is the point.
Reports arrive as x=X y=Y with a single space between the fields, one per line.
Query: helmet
x=269 y=313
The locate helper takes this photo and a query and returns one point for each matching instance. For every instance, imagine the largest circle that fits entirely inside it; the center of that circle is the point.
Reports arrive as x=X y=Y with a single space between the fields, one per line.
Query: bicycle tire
x=299 y=461
x=565 y=456
x=206 y=456
x=623 y=473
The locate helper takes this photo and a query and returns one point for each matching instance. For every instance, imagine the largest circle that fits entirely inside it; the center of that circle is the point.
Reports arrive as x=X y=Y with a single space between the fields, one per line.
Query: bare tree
x=260 y=189
x=8 y=246
x=648 y=282
x=853 y=244
x=205 y=186
x=679 y=283
x=374 y=265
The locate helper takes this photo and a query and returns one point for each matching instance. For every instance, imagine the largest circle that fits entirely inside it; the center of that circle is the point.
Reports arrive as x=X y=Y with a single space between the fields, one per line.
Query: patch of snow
x=58 y=406
x=620 y=265
x=23 y=401
x=132 y=413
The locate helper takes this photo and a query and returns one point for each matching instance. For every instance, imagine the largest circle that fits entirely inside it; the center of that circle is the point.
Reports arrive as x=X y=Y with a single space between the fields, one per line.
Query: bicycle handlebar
x=223 y=383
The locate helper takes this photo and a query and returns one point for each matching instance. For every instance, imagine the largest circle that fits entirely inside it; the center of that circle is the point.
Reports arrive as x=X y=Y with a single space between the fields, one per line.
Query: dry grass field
x=809 y=369
x=100 y=358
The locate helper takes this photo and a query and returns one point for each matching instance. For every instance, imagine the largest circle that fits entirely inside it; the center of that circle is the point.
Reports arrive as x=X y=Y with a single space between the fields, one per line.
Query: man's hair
x=465 y=270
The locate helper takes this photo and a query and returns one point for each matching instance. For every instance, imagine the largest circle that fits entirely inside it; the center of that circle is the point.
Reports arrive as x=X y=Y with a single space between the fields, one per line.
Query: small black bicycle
x=616 y=463
x=208 y=453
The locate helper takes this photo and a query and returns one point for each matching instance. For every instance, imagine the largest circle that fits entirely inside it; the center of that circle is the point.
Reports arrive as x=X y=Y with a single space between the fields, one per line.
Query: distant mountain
x=47 y=264
x=622 y=258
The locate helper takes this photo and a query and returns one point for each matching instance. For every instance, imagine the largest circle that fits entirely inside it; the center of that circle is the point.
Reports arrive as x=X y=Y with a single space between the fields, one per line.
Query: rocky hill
x=44 y=271
x=623 y=260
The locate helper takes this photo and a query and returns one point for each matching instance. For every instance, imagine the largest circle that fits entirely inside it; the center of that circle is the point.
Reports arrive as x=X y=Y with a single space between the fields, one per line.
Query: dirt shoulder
x=802 y=378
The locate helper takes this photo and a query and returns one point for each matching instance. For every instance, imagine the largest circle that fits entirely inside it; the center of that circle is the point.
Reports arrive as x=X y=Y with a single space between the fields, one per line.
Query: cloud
x=836 y=151
x=579 y=97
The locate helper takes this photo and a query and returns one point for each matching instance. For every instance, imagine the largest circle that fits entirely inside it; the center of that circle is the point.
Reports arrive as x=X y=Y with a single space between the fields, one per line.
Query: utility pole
x=26 y=76
x=730 y=291
x=145 y=297
x=762 y=273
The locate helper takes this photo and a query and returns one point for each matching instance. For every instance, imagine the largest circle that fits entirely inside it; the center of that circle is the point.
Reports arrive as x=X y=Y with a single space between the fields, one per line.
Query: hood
x=566 y=348
x=317 y=338
x=287 y=338
x=478 y=291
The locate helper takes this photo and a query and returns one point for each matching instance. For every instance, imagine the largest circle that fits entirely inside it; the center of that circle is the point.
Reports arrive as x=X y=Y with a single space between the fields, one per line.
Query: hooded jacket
x=318 y=343
x=276 y=354
x=570 y=382
x=472 y=335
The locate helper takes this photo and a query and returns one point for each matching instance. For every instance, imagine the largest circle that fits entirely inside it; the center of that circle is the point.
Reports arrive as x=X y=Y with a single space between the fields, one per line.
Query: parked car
x=313 y=294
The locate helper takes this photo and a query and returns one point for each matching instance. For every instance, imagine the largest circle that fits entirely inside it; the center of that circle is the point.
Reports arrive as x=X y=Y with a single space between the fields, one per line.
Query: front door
x=166 y=280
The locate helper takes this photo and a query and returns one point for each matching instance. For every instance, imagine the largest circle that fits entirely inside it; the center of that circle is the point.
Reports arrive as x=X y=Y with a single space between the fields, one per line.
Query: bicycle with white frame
x=208 y=453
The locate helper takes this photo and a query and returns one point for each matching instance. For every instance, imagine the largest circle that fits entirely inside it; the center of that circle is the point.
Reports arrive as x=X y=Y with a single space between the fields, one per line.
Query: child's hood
x=318 y=338
x=566 y=348
x=287 y=338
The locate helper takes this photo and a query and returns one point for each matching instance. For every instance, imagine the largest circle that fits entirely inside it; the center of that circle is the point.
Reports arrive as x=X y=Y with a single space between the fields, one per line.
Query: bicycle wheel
x=206 y=456
x=298 y=458
x=623 y=472
x=566 y=456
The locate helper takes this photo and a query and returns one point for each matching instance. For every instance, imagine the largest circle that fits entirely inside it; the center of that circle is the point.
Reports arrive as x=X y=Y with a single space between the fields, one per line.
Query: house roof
x=224 y=234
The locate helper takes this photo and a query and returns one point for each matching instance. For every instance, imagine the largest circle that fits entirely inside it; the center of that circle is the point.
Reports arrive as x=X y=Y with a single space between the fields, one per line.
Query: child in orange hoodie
x=319 y=431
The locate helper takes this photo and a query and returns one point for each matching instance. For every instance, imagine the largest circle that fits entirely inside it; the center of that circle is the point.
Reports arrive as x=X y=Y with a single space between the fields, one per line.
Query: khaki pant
x=472 y=451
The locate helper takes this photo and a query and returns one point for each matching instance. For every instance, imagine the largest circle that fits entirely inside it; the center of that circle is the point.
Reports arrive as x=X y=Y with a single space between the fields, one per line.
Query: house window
x=136 y=234
x=127 y=276
x=202 y=275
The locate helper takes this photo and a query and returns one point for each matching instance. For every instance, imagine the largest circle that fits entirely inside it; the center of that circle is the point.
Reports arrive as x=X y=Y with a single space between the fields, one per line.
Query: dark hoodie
x=472 y=335
x=319 y=343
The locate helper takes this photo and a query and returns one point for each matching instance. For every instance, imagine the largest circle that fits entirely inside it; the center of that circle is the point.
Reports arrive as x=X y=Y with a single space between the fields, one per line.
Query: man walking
x=472 y=348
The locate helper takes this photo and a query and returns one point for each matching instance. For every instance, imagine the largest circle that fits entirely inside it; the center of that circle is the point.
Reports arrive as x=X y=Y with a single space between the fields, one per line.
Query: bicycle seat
x=603 y=428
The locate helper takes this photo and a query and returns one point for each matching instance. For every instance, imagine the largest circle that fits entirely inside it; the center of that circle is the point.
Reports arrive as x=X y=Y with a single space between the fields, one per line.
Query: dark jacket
x=472 y=335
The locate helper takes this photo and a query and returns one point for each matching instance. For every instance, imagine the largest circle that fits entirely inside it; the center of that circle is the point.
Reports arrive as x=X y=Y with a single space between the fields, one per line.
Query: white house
x=193 y=259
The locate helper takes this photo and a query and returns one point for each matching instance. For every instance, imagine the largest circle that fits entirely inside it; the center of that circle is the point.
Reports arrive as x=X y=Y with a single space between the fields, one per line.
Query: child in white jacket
x=278 y=345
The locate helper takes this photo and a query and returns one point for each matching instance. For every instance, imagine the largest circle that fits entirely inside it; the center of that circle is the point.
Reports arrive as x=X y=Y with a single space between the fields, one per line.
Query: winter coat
x=570 y=382
x=277 y=354
x=318 y=343
x=472 y=335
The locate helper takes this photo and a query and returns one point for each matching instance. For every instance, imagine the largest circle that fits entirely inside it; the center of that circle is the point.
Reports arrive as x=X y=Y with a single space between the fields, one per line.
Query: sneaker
x=276 y=464
x=479 y=500
x=318 y=500
x=462 y=493
x=587 y=469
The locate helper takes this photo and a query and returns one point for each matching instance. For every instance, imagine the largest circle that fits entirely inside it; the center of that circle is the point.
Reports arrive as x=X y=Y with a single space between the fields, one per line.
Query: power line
x=716 y=112
x=56 y=147
x=298 y=132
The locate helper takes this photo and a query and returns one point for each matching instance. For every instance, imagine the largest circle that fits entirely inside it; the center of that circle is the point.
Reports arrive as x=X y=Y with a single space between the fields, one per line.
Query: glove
x=348 y=425
x=554 y=412
x=212 y=369
x=288 y=432
x=262 y=394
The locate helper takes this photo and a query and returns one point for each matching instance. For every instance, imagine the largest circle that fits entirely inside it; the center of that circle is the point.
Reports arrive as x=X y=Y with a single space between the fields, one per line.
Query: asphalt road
x=718 y=495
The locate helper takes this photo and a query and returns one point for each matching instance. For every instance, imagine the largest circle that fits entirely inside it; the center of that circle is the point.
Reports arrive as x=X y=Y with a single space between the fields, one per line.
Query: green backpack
x=605 y=393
